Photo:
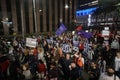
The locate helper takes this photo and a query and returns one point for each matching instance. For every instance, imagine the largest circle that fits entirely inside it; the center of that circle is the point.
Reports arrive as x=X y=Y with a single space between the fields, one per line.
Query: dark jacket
x=74 y=73
x=54 y=72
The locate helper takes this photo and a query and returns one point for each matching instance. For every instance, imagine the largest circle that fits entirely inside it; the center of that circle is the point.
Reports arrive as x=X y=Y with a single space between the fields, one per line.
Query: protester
x=80 y=63
x=94 y=71
x=64 y=49
x=115 y=46
x=41 y=70
x=109 y=75
x=66 y=67
x=117 y=63
x=54 y=72
x=27 y=73
x=74 y=73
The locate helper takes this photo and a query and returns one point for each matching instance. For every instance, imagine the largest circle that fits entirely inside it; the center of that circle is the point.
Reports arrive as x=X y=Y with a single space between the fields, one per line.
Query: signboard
x=106 y=28
x=105 y=33
x=75 y=48
x=30 y=42
x=76 y=43
x=66 y=48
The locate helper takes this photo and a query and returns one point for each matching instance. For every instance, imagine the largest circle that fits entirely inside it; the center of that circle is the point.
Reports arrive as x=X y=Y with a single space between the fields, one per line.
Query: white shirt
x=117 y=63
x=27 y=74
x=104 y=76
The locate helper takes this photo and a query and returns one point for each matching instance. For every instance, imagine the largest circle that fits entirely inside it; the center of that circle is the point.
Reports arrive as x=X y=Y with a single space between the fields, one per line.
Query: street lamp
x=66 y=6
x=40 y=10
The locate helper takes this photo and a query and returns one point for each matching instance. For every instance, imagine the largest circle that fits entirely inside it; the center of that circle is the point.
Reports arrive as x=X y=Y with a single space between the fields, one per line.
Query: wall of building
x=49 y=13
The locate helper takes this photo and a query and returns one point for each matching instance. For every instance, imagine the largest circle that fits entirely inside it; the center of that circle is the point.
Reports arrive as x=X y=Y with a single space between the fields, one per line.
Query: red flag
x=79 y=28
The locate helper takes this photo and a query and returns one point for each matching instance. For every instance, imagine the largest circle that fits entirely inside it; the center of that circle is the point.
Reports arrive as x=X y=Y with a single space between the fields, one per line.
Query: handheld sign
x=30 y=42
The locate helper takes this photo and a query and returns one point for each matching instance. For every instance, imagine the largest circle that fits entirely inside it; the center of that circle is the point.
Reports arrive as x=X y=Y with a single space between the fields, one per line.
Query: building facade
x=45 y=16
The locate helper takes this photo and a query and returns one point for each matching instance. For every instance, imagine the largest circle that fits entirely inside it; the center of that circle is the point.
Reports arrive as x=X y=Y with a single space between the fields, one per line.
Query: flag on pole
x=85 y=34
x=79 y=28
x=60 y=30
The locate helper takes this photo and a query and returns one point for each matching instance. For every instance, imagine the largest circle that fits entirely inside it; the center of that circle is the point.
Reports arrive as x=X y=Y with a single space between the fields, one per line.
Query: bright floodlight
x=73 y=32
x=66 y=6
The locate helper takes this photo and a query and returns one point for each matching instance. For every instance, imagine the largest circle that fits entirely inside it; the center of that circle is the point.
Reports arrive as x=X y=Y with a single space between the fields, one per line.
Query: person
x=114 y=47
x=101 y=64
x=64 y=63
x=67 y=64
x=27 y=72
x=117 y=63
x=54 y=72
x=80 y=63
x=4 y=67
x=94 y=71
x=109 y=75
x=81 y=46
x=41 y=69
x=40 y=54
x=74 y=73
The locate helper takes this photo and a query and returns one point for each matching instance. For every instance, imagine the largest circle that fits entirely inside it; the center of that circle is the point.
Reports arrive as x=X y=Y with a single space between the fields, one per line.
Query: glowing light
x=73 y=32
x=66 y=6
x=85 y=11
x=40 y=10
x=89 y=19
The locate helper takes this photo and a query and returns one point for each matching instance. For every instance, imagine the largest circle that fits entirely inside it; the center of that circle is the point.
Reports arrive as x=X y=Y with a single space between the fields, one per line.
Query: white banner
x=105 y=33
x=30 y=42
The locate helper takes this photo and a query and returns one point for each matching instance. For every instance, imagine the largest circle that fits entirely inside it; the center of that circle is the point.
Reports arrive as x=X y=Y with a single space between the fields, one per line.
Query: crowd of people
x=64 y=57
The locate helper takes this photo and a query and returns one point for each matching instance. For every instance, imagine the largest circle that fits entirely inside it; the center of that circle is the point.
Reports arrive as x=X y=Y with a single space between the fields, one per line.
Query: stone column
x=56 y=15
x=14 y=16
x=38 y=15
x=50 y=15
x=44 y=16
x=30 y=6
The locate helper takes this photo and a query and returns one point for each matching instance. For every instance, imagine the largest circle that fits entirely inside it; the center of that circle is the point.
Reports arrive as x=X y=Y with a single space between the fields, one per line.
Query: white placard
x=105 y=33
x=30 y=42
x=106 y=28
x=66 y=48
x=49 y=41
x=75 y=48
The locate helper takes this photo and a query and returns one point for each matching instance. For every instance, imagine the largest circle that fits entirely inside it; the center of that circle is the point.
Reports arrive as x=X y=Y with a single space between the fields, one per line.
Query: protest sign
x=66 y=48
x=76 y=43
x=30 y=42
